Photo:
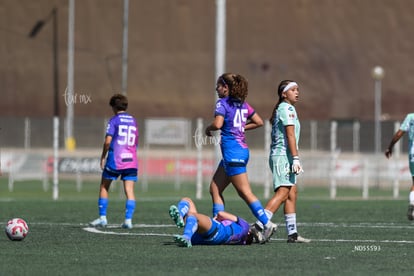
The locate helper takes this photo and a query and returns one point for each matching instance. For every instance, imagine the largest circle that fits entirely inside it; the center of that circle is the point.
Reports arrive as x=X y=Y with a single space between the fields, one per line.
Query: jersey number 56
x=126 y=135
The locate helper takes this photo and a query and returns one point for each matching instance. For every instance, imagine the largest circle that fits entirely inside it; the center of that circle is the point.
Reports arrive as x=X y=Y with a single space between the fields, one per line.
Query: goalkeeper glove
x=296 y=166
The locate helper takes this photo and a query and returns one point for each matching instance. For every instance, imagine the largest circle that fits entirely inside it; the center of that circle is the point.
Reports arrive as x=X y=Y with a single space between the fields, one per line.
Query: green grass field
x=349 y=237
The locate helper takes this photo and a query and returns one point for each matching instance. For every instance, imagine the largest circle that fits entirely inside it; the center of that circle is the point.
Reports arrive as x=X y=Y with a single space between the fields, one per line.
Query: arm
x=254 y=122
x=395 y=138
x=291 y=140
x=215 y=125
x=222 y=215
x=105 y=148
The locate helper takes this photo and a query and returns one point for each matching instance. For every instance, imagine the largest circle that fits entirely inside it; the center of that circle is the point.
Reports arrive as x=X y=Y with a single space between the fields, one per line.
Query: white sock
x=290 y=220
x=412 y=197
x=128 y=221
x=103 y=217
x=269 y=214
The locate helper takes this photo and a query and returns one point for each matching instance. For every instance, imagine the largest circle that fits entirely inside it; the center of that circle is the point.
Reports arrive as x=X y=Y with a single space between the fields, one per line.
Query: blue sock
x=102 y=206
x=190 y=227
x=129 y=208
x=217 y=207
x=183 y=207
x=258 y=211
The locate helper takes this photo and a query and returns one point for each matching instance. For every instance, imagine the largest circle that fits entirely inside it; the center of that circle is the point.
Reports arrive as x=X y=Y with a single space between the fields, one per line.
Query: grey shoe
x=257 y=234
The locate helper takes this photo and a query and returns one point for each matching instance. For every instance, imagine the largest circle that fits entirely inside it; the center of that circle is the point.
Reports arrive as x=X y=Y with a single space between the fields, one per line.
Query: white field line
x=357 y=225
x=390 y=225
x=334 y=225
x=107 y=230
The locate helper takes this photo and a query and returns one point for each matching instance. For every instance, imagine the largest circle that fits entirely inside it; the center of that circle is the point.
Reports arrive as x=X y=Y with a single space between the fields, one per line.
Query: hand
x=296 y=166
x=388 y=152
x=103 y=163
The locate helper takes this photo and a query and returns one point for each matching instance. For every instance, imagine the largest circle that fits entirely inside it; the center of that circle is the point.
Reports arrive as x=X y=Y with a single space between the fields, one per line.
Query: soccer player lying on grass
x=200 y=229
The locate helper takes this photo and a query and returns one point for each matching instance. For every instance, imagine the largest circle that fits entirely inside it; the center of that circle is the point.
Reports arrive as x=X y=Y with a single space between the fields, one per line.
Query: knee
x=189 y=200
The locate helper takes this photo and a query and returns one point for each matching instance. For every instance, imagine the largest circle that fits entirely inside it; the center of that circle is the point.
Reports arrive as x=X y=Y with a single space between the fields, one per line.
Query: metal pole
x=125 y=49
x=56 y=107
x=199 y=177
x=70 y=140
x=55 y=157
x=55 y=65
x=220 y=54
x=267 y=174
x=377 y=116
x=334 y=159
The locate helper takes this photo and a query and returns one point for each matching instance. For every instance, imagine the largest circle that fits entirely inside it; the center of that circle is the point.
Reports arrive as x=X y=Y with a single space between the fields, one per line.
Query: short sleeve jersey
x=285 y=115
x=122 y=152
x=408 y=126
x=236 y=114
x=237 y=231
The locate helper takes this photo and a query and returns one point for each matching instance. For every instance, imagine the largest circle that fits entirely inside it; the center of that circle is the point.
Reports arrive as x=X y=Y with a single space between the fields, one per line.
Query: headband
x=289 y=86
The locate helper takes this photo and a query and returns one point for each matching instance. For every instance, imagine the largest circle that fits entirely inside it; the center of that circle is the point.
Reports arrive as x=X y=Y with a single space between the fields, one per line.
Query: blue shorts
x=235 y=161
x=127 y=174
x=225 y=232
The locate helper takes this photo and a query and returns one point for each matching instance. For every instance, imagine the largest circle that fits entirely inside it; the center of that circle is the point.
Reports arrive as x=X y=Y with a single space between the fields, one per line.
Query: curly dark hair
x=238 y=85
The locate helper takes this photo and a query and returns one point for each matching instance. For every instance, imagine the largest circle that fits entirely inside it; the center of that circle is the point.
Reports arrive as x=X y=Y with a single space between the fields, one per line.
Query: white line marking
x=358 y=241
x=102 y=231
x=95 y=230
x=357 y=225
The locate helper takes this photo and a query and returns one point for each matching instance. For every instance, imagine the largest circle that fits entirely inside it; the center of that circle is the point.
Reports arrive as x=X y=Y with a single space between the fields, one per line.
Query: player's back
x=124 y=131
x=236 y=114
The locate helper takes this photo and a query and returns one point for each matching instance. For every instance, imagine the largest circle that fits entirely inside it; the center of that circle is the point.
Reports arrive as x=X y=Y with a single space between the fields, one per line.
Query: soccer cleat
x=410 y=212
x=269 y=231
x=295 y=238
x=182 y=241
x=99 y=222
x=257 y=232
x=126 y=225
x=175 y=215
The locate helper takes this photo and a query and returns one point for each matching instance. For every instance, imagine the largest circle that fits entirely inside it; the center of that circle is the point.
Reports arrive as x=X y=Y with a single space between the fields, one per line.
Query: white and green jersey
x=285 y=115
x=408 y=126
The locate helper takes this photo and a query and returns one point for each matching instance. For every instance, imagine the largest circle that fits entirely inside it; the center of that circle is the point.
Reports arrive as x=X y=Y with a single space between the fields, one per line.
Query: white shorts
x=282 y=175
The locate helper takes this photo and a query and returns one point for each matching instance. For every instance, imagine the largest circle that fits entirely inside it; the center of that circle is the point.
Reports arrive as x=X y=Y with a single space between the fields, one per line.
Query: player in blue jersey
x=119 y=159
x=233 y=115
x=200 y=229
x=407 y=126
x=284 y=157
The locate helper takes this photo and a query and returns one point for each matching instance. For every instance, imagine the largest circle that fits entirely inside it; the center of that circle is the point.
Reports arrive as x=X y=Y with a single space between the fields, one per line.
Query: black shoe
x=410 y=212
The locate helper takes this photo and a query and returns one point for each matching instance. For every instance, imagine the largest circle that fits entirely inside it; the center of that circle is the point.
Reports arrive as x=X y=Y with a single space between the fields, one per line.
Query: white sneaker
x=99 y=222
x=269 y=230
x=126 y=225
x=295 y=238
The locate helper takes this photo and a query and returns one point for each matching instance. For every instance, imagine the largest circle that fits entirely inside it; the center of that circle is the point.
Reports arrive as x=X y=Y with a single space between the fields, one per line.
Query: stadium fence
x=334 y=154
